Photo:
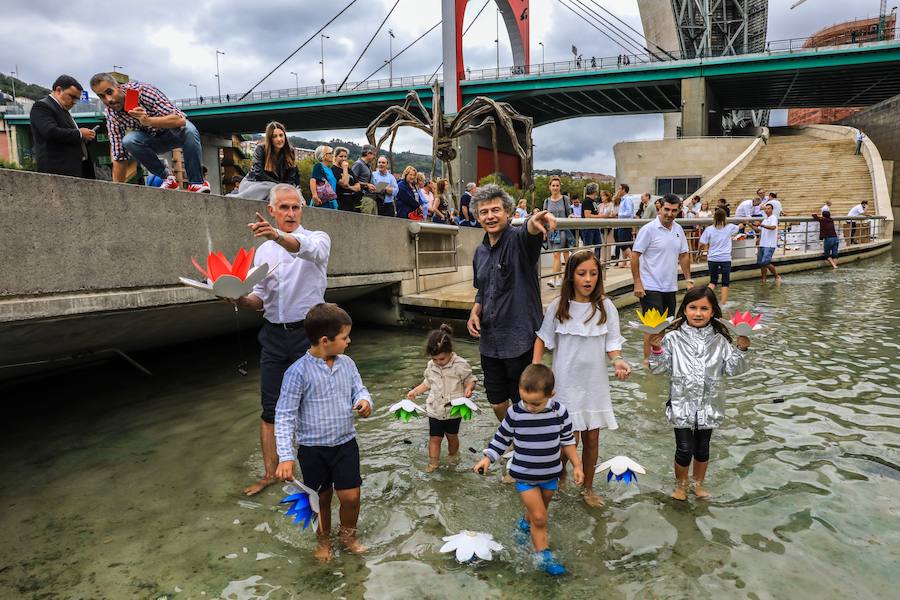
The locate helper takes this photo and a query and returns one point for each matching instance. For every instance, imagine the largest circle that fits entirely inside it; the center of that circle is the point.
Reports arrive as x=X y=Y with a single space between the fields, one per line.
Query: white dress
x=579 y=362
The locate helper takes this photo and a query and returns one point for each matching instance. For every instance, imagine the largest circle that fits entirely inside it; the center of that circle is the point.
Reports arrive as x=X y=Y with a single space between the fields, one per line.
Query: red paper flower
x=226 y=279
x=217 y=265
x=738 y=317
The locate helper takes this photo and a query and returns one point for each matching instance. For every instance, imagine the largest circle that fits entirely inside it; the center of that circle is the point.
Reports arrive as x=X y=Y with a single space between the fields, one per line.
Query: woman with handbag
x=407 y=200
x=322 y=183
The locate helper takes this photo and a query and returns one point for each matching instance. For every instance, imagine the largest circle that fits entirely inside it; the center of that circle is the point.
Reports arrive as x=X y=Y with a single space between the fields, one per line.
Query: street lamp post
x=196 y=92
x=16 y=73
x=322 y=38
x=541 y=44
x=497 y=40
x=297 y=81
x=218 y=79
x=391 y=55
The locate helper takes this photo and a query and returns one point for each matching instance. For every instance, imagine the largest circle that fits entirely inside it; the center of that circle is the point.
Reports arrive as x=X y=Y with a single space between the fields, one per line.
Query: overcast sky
x=176 y=46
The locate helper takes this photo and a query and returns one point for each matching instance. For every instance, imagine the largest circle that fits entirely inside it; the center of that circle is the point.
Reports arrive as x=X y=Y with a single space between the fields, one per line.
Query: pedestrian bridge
x=782 y=77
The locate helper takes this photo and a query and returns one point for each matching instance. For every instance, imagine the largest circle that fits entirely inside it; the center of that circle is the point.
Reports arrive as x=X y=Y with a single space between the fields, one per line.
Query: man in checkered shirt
x=154 y=127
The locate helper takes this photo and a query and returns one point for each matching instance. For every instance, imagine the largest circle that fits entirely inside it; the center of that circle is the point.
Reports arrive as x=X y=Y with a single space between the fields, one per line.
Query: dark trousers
x=692 y=443
x=280 y=349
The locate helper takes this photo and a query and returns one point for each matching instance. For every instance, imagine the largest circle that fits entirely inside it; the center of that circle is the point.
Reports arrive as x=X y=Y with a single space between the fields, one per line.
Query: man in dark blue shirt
x=507 y=310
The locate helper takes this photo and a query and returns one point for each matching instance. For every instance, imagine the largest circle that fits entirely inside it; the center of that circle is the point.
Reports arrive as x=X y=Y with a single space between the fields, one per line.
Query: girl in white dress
x=582 y=329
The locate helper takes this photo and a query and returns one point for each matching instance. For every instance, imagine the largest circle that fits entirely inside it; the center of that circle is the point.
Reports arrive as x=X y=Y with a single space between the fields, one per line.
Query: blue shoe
x=524 y=526
x=545 y=561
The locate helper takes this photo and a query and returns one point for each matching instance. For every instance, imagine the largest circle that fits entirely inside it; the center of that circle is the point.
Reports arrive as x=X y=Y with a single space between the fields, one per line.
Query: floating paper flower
x=469 y=544
x=651 y=321
x=303 y=503
x=622 y=468
x=462 y=407
x=405 y=410
x=743 y=323
x=226 y=279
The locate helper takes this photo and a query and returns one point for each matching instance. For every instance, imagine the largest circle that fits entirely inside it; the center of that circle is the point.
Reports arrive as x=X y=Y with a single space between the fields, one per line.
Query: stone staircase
x=804 y=171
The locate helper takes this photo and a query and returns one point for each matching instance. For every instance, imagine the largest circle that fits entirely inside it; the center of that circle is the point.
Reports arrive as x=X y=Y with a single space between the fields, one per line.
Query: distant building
x=598 y=177
x=851 y=32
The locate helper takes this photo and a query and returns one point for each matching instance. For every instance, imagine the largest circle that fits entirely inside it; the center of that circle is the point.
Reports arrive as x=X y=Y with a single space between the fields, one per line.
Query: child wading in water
x=541 y=430
x=320 y=394
x=696 y=350
x=447 y=377
x=582 y=329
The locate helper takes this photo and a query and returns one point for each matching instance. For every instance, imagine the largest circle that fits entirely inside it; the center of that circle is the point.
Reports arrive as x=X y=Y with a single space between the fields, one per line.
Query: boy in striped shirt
x=320 y=395
x=541 y=429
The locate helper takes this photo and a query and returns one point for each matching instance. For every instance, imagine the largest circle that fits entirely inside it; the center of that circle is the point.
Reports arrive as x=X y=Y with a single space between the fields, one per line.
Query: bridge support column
x=475 y=159
x=700 y=114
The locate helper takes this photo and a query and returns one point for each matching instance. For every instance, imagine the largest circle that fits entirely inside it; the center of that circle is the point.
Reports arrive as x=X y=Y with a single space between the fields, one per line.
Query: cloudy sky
x=174 y=47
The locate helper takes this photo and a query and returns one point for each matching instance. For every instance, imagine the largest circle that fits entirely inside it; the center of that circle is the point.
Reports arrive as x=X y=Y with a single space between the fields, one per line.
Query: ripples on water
x=116 y=486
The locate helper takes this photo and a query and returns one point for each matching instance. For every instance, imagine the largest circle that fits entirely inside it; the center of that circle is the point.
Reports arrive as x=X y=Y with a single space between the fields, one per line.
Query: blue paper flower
x=622 y=468
x=303 y=504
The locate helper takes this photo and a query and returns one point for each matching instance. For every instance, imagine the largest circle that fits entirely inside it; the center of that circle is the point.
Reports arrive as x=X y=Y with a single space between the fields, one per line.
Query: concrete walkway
x=461 y=296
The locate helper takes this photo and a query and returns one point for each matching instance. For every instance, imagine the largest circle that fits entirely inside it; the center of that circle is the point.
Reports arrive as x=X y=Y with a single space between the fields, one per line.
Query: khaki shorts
x=367 y=206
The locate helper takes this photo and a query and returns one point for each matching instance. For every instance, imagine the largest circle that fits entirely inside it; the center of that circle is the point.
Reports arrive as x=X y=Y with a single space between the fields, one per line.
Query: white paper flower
x=229 y=279
x=462 y=407
x=469 y=544
x=622 y=468
x=406 y=409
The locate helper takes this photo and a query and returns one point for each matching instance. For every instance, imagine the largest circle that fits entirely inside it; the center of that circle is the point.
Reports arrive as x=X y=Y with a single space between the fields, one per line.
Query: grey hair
x=489 y=192
x=338 y=151
x=470 y=186
x=367 y=149
x=320 y=152
x=591 y=188
x=273 y=193
x=96 y=79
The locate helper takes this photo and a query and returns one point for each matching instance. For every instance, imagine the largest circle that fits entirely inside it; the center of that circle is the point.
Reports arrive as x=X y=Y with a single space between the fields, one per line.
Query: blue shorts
x=524 y=486
x=764 y=255
x=831 y=247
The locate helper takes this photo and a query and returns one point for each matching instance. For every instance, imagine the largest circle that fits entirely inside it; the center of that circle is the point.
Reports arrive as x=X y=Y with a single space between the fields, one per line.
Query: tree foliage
x=542 y=188
x=23 y=90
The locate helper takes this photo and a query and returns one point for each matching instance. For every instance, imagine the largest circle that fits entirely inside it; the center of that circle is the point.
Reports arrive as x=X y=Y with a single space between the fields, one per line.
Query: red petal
x=755 y=320
x=241 y=264
x=218 y=265
x=199 y=268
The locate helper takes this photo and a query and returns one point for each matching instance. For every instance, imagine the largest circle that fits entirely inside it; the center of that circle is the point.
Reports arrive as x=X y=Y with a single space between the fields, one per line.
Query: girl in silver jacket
x=696 y=350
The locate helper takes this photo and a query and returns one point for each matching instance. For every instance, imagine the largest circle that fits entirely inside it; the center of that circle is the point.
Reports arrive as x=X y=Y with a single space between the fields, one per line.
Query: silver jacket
x=697 y=360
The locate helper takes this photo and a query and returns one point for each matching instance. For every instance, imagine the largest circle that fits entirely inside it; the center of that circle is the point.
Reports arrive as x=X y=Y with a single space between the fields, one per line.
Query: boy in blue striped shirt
x=541 y=429
x=320 y=394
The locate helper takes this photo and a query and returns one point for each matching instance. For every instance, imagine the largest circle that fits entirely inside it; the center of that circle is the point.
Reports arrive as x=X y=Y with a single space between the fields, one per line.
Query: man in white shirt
x=748 y=208
x=857 y=211
x=776 y=204
x=285 y=297
x=385 y=198
x=659 y=247
x=768 y=241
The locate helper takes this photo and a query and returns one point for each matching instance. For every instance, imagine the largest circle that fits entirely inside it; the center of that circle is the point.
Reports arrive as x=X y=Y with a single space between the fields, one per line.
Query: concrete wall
x=881 y=123
x=71 y=235
x=639 y=163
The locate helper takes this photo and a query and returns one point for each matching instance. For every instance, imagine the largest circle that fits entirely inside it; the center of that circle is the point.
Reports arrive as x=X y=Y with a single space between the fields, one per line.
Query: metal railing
x=795 y=234
x=420 y=228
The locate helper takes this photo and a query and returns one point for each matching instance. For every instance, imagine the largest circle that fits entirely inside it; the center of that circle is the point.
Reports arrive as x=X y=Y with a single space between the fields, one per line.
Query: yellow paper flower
x=652 y=318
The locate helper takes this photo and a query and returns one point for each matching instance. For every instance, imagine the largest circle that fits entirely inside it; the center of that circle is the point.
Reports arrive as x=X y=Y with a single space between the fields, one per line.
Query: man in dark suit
x=59 y=144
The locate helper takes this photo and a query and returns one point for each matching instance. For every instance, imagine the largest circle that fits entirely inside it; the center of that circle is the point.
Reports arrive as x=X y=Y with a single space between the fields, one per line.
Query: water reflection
x=118 y=486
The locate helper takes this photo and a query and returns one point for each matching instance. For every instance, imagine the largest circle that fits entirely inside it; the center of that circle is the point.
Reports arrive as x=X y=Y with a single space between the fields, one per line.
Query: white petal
x=450 y=546
x=483 y=551
x=464 y=552
x=204 y=287
x=256 y=274
x=463 y=400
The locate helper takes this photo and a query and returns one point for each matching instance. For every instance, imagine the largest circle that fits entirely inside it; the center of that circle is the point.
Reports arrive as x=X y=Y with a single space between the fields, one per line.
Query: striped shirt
x=118 y=121
x=538 y=438
x=316 y=404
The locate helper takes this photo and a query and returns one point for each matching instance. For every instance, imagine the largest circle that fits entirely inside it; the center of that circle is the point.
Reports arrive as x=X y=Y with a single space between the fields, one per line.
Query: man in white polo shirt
x=768 y=242
x=660 y=246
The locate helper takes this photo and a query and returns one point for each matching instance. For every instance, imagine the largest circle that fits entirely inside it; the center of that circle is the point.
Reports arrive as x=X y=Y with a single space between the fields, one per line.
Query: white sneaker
x=199 y=188
x=551 y=283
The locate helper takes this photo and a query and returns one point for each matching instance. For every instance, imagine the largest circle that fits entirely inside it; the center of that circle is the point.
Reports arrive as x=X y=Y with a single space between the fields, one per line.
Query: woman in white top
x=716 y=241
x=581 y=327
x=608 y=210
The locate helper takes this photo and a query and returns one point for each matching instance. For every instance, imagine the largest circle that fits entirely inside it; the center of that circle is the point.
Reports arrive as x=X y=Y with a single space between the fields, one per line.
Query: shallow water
x=120 y=486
